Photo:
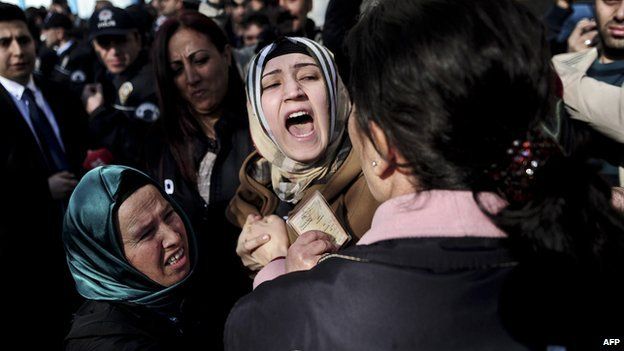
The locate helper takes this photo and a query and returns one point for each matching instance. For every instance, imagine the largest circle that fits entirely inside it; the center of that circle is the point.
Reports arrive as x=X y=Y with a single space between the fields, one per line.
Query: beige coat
x=346 y=192
x=599 y=104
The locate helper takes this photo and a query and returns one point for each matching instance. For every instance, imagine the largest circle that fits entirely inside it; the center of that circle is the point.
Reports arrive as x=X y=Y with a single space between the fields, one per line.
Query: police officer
x=72 y=62
x=122 y=103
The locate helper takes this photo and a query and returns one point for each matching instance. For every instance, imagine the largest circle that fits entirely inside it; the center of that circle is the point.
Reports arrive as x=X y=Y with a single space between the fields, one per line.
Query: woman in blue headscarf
x=131 y=251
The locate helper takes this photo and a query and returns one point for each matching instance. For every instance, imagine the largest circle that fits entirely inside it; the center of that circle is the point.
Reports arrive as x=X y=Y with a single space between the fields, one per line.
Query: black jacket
x=220 y=271
x=114 y=326
x=75 y=67
x=38 y=282
x=422 y=294
x=129 y=111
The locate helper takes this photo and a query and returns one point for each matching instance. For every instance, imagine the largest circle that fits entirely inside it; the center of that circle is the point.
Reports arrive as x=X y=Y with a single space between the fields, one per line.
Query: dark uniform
x=74 y=67
x=130 y=103
x=131 y=108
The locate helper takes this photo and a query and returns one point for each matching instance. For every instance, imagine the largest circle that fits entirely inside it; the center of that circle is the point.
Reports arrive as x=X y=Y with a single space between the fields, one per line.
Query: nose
x=170 y=236
x=619 y=13
x=15 y=48
x=292 y=90
x=191 y=75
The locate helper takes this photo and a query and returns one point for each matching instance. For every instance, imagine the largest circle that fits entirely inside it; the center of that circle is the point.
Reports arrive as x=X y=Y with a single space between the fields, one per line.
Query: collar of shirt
x=434 y=213
x=61 y=49
x=16 y=89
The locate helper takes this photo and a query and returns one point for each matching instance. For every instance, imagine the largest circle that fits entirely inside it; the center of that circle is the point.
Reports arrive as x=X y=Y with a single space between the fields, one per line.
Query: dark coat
x=30 y=222
x=129 y=111
x=75 y=67
x=420 y=294
x=114 y=326
x=218 y=266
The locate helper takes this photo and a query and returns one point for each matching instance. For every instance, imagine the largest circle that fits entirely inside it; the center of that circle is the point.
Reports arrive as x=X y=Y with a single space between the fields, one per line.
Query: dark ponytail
x=570 y=212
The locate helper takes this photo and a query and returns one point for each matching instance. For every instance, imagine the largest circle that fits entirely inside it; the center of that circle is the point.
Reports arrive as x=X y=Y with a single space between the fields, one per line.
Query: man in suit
x=40 y=153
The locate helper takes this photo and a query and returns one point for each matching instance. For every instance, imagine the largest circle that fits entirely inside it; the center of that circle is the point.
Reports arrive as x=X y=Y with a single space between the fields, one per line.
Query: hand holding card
x=316 y=214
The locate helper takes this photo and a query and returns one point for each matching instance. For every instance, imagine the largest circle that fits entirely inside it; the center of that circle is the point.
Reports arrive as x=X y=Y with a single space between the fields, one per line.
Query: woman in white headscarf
x=298 y=109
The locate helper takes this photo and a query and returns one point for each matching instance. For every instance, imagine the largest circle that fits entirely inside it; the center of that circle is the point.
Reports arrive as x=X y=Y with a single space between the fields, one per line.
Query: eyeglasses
x=107 y=41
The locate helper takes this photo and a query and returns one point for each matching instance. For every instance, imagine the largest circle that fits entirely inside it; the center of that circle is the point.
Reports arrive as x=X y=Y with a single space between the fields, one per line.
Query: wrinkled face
x=118 y=52
x=154 y=237
x=17 y=51
x=251 y=34
x=610 y=18
x=169 y=8
x=295 y=104
x=200 y=71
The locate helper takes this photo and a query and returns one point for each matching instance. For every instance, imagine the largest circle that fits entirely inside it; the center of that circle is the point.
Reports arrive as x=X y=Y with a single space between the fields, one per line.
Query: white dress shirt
x=16 y=91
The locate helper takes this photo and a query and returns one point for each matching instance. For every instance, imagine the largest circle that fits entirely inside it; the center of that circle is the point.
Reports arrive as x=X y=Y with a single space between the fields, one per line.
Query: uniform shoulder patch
x=147 y=111
x=78 y=76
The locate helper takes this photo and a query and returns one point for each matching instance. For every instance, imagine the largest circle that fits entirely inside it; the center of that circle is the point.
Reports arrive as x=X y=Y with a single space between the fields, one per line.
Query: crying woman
x=298 y=110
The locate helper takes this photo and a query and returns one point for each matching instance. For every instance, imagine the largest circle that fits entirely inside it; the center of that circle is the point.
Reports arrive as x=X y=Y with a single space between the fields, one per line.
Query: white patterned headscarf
x=290 y=178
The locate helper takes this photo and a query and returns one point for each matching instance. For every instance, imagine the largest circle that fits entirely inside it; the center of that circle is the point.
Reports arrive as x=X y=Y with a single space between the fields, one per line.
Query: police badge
x=124 y=92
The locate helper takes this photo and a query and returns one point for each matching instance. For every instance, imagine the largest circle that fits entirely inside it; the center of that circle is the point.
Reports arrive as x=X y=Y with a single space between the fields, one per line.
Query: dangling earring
x=374 y=163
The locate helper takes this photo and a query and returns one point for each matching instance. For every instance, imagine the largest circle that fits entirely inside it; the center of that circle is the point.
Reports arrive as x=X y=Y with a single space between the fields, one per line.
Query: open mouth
x=300 y=124
x=175 y=258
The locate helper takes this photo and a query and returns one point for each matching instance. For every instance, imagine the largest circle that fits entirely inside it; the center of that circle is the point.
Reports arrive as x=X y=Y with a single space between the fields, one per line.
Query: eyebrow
x=296 y=66
x=191 y=55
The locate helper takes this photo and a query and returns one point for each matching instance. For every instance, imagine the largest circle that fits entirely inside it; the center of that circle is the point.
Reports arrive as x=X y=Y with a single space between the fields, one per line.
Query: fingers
x=586 y=24
x=66 y=175
x=311 y=236
x=253 y=244
x=89 y=89
x=307 y=250
x=583 y=36
x=252 y=217
x=321 y=246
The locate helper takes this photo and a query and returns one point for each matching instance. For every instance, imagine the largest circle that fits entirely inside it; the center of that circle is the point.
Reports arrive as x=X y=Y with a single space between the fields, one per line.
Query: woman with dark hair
x=132 y=252
x=488 y=236
x=206 y=138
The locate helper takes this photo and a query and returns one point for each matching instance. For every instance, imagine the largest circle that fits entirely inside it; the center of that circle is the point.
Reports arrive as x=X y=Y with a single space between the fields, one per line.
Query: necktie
x=50 y=146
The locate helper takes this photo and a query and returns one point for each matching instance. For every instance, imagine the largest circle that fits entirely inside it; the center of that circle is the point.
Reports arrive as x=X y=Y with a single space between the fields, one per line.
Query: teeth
x=297 y=114
x=173 y=259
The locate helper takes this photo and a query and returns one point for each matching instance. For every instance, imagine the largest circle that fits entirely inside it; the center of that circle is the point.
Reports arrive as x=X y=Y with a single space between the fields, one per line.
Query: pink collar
x=434 y=213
